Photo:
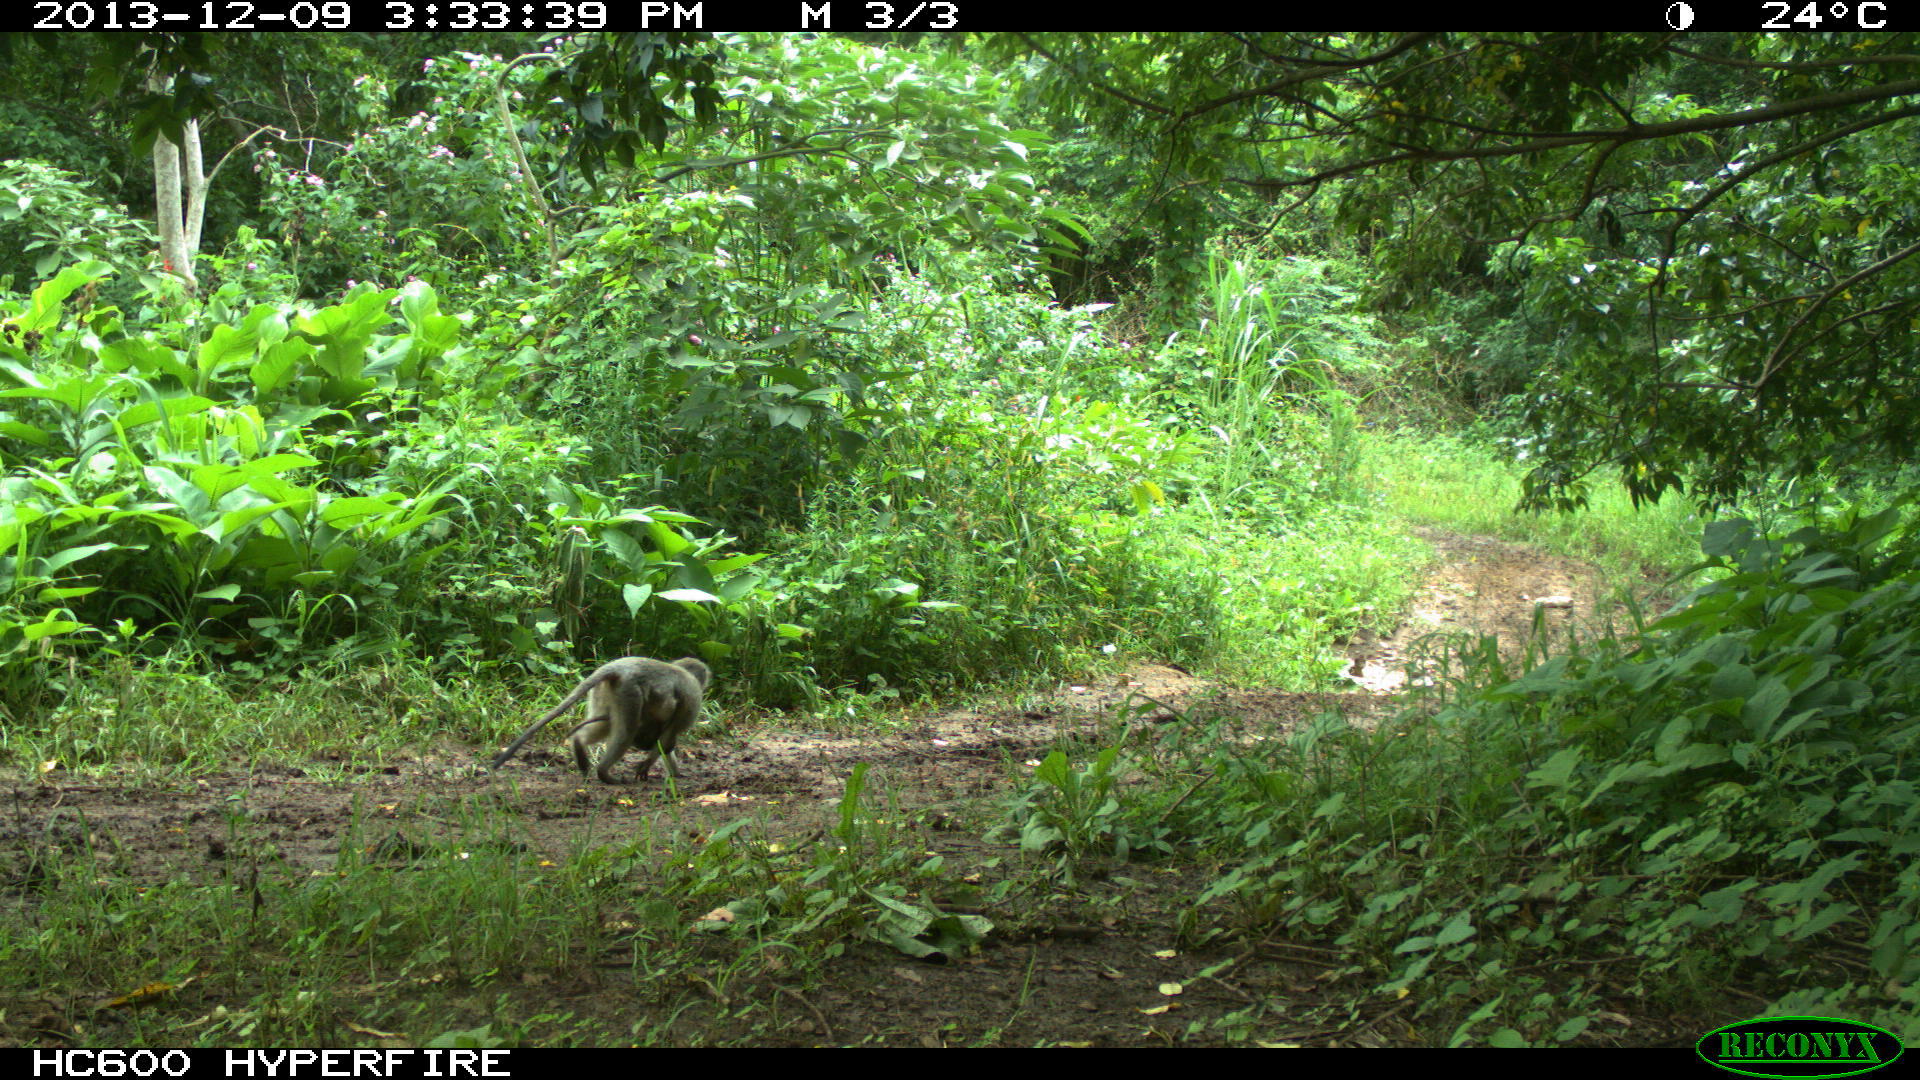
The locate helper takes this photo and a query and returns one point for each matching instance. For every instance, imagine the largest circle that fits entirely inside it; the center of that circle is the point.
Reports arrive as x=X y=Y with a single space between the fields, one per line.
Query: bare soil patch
x=1480 y=586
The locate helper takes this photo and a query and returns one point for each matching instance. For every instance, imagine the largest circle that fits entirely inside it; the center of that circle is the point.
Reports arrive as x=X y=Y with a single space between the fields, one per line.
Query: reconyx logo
x=1800 y=1047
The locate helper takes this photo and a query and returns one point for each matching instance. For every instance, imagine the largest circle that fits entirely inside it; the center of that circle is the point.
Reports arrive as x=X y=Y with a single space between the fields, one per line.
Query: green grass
x=160 y=721
x=1287 y=593
x=1447 y=481
x=443 y=918
x=293 y=956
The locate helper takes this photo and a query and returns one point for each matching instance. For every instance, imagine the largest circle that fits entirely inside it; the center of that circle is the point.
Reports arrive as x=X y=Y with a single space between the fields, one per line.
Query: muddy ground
x=1093 y=965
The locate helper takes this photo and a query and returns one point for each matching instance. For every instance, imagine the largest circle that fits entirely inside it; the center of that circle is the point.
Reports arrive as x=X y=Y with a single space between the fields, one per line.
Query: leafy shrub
x=240 y=479
x=50 y=218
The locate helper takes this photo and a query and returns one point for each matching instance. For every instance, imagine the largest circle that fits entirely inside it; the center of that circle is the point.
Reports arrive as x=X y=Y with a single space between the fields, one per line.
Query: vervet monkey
x=635 y=702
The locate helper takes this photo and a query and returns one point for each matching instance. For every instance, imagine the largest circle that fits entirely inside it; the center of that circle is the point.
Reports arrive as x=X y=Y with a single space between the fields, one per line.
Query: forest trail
x=1098 y=974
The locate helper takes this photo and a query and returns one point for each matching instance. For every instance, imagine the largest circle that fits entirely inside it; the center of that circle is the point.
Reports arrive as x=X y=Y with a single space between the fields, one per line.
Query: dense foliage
x=1687 y=250
x=867 y=367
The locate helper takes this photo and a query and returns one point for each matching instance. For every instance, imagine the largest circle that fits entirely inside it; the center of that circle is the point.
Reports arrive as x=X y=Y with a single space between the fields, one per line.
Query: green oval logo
x=1800 y=1047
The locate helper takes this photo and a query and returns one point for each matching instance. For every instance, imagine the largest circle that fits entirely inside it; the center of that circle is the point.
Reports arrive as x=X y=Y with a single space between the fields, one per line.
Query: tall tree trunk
x=177 y=168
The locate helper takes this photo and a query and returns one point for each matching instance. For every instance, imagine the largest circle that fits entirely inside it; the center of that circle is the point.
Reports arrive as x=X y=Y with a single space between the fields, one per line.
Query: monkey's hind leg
x=605 y=731
x=614 y=749
x=592 y=731
x=613 y=719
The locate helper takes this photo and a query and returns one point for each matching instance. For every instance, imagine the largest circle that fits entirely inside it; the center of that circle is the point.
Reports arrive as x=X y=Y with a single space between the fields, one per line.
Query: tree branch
x=1633 y=132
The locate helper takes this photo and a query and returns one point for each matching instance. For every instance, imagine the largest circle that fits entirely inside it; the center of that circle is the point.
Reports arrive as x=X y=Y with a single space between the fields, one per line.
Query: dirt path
x=1479 y=586
x=1090 y=966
